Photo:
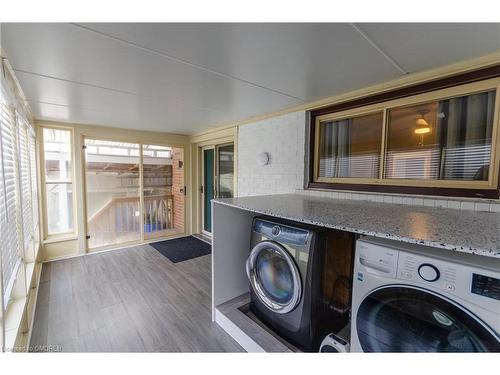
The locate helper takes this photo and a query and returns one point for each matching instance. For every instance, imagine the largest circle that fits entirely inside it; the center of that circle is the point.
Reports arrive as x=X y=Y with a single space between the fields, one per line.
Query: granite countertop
x=457 y=230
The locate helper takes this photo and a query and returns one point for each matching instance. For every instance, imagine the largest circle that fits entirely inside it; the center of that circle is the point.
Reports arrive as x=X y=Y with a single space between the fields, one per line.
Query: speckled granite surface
x=464 y=231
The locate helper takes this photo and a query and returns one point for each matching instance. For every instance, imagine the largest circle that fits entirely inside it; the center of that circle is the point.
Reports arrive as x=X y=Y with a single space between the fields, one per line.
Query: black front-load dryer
x=284 y=268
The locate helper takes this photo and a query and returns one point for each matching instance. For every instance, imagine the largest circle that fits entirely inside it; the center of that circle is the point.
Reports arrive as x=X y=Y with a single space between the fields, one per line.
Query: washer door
x=407 y=319
x=274 y=276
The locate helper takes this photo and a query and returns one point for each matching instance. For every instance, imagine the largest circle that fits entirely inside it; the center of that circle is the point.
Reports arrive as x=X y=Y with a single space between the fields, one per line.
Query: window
x=18 y=182
x=34 y=185
x=58 y=180
x=112 y=175
x=25 y=181
x=442 y=140
x=9 y=199
x=163 y=189
x=428 y=143
x=350 y=147
x=130 y=197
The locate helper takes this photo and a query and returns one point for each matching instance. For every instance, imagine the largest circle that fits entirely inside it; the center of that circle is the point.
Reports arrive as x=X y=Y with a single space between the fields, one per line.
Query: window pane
x=59 y=208
x=444 y=140
x=57 y=147
x=351 y=147
x=163 y=183
x=225 y=170
x=112 y=177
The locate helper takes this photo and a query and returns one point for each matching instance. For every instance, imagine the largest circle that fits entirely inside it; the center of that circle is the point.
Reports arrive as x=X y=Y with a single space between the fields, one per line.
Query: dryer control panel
x=282 y=233
x=422 y=269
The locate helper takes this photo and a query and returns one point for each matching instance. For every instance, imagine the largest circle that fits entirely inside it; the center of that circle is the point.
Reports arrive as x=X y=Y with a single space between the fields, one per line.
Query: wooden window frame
x=44 y=183
x=469 y=83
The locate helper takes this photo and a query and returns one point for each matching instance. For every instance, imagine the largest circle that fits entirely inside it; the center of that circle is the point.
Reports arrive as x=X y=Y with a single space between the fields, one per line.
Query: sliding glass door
x=117 y=210
x=112 y=186
x=163 y=186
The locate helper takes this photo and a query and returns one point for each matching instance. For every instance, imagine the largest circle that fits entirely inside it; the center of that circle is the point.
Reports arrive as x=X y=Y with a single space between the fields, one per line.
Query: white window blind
x=10 y=244
x=34 y=179
x=25 y=181
x=18 y=184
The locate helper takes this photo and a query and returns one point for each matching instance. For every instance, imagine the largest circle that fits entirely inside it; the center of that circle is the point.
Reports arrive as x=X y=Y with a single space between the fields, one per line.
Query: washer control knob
x=276 y=230
x=428 y=272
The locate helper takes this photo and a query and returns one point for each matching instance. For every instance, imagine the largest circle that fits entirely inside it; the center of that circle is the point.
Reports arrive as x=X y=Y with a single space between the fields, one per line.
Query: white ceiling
x=185 y=78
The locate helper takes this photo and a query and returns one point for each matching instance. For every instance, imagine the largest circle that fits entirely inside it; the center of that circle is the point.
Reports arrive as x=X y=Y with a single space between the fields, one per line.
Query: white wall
x=283 y=138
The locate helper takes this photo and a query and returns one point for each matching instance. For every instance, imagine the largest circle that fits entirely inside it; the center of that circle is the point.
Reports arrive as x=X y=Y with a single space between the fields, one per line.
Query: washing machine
x=411 y=298
x=287 y=281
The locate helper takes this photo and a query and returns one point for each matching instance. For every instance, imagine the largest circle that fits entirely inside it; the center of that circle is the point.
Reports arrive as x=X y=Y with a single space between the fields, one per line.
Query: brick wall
x=177 y=185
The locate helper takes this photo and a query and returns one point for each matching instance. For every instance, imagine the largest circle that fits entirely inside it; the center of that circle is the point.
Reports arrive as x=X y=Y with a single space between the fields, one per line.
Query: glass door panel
x=112 y=185
x=163 y=184
x=208 y=188
x=225 y=171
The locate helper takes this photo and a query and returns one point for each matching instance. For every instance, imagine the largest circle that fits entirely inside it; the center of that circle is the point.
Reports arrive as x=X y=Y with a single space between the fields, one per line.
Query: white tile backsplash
x=487 y=205
x=283 y=137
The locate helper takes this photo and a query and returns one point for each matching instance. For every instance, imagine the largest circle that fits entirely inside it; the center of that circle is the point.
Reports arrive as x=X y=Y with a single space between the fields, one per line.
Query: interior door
x=208 y=188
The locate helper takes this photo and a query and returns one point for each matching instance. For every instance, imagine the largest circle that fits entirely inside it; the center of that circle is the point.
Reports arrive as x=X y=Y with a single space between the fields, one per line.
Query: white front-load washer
x=412 y=298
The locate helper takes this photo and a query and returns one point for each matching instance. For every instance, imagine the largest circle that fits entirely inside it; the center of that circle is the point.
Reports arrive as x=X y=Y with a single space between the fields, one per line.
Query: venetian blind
x=18 y=196
x=10 y=244
x=34 y=186
x=25 y=181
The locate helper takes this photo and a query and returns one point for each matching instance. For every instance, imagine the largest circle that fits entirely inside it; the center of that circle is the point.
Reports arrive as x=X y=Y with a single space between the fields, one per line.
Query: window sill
x=13 y=318
x=55 y=239
x=448 y=192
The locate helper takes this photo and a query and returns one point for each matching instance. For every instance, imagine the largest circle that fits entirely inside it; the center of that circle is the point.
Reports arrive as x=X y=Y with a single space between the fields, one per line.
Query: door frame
x=197 y=142
x=203 y=194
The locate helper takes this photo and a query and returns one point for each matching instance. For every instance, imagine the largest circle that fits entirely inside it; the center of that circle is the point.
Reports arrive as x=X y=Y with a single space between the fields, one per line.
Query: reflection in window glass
x=225 y=170
x=445 y=140
x=351 y=147
x=59 y=208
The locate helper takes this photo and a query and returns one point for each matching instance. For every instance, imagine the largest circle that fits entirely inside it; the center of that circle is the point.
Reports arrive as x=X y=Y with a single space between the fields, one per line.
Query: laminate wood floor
x=127 y=300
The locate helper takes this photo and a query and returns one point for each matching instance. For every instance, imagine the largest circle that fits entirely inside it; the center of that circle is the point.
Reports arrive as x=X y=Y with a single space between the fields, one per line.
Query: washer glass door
x=407 y=319
x=274 y=276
